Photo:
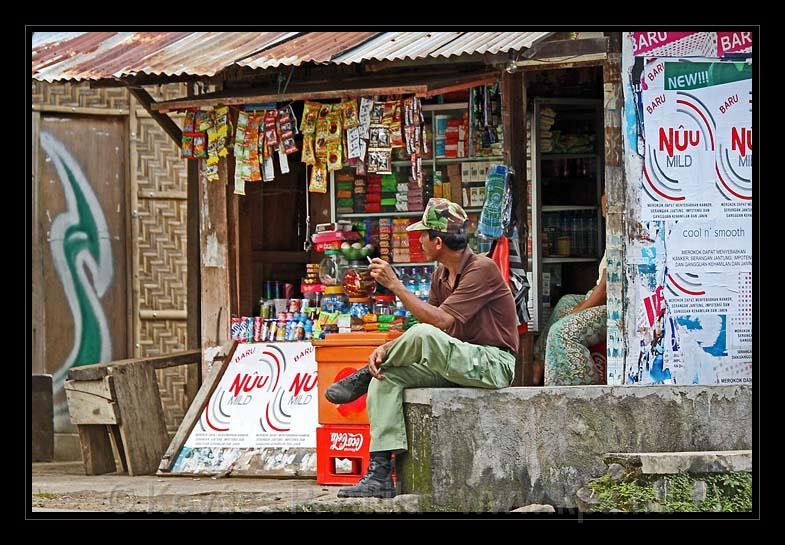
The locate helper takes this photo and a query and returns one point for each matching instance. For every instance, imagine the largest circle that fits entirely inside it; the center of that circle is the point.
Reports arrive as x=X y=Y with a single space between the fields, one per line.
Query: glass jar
x=331 y=268
x=357 y=281
x=359 y=306
x=333 y=300
x=384 y=305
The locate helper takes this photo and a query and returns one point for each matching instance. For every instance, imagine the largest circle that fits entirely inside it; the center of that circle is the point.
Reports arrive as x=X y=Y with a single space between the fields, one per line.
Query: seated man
x=467 y=336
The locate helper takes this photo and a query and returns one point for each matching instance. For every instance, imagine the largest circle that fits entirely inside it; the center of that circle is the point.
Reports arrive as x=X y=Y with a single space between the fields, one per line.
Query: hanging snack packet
x=188 y=122
x=289 y=146
x=187 y=147
x=396 y=135
x=205 y=121
x=213 y=141
x=351 y=117
x=211 y=172
x=366 y=104
x=239 y=135
x=310 y=115
x=222 y=120
x=334 y=156
x=318 y=179
x=309 y=158
x=200 y=145
x=270 y=131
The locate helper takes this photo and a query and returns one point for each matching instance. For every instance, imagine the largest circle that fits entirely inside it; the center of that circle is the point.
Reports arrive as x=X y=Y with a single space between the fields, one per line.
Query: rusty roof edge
x=275 y=43
x=355 y=46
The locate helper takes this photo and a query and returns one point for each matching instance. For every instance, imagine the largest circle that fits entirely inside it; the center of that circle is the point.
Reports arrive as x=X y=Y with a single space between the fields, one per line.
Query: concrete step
x=670 y=463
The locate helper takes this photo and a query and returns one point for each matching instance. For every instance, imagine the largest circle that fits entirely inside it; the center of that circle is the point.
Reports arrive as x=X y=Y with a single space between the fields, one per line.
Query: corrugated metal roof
x=417 y=45
x=104 y=55
x=318 y=47
x=96 y=55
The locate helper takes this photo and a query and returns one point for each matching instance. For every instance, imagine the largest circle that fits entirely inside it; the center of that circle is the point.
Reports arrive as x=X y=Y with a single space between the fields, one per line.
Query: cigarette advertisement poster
x=688 y=161
x=266 y=400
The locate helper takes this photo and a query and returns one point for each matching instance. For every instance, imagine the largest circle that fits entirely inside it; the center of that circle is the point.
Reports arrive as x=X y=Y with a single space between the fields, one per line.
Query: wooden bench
x=118 y=403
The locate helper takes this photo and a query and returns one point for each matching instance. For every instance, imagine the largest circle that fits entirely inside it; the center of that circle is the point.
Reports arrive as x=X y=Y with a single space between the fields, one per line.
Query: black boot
x=350 y=388
x=377 y=483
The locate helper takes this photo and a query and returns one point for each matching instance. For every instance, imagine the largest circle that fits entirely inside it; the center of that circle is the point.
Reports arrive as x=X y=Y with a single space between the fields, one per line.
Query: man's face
x=429 y=247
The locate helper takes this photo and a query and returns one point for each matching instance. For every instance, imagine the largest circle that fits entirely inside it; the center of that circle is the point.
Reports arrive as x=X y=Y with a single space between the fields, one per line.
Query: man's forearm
x=425 y=313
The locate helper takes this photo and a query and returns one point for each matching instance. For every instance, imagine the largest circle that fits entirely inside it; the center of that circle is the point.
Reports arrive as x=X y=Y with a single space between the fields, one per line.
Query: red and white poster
x=265 y=401
x=691 y=44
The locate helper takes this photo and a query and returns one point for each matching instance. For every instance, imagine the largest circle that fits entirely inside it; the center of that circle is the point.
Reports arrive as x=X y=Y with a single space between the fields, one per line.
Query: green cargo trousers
x=427 y=357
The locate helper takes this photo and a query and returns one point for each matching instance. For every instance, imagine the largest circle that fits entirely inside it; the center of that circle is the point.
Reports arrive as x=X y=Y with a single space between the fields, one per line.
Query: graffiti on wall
x=82 y=255
x=688 y=161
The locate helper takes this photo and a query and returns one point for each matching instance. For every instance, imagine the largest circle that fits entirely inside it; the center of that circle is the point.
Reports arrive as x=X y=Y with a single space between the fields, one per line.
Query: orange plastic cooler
x=337 y=356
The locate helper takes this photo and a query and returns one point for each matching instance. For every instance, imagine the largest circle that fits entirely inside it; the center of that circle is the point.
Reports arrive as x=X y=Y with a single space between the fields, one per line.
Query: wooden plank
x=142 y=426
x=131 y=246
x=449 y=88
x=117 y=443
x=214 y=264
x=97 y=454
x=163 y=315
x=164 y=195
x=212 y=377
x=283 y=257
x=169 y=126
x=37 y=269
x=563 y=63
x=193 y=301
x=133 y=183
x=78 y=110
x=88 y=407
x=567 y=48
x=99 y=370
x=270 y=96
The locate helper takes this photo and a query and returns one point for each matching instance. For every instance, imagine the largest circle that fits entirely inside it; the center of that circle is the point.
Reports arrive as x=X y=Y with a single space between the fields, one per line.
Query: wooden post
x=615 y=192
x=39 y=346
x=215 y=264
x=97 y=453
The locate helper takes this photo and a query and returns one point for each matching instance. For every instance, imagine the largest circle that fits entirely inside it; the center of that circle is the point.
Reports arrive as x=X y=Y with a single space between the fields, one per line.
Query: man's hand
x=375 y=361
x=382 y=272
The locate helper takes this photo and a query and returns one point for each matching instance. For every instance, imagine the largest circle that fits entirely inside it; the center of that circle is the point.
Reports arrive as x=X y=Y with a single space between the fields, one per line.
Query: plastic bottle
x=577 y=238
x=413 y=284
x=425 y=284
x=308 y=330
x=404 y=276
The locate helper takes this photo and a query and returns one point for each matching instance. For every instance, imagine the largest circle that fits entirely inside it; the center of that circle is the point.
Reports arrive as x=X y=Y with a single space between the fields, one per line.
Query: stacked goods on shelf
x=389 y=191
x=400 y=241
x=547 y=136
x=415 y=196
x=345 y=195
x=455 y=142
x=385 y=239
x=373 y=194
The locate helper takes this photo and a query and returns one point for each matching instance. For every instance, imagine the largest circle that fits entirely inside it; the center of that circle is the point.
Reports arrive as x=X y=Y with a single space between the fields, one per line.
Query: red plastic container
x=338 y=443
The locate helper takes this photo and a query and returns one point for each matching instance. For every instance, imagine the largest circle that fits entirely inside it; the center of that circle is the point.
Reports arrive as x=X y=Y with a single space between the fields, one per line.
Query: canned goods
x=249 y=329
x=272 y=331
x=257 y=329
x=265 y=330
x=235 y=328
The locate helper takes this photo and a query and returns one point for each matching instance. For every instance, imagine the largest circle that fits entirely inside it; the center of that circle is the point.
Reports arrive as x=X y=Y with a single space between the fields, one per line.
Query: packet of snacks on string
x=396 y=135
x=239 y=135
x=334 y=156
x=188 y=121
x=222 y=121
x=200 y=145
x=379 y=161
x=289 y=146
x=202 y=118
x=310 y=115
x=270 y=131
x=213 y=142
x=211 y=172
x=309 y=157
x=318 y=178
x=351 y=117
x=334 y=129
x=366 y=104
x=187 y=147
x=389 y=112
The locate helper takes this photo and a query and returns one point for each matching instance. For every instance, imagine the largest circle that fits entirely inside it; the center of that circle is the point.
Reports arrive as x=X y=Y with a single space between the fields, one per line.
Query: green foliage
x=729 y=492
x=46 y=495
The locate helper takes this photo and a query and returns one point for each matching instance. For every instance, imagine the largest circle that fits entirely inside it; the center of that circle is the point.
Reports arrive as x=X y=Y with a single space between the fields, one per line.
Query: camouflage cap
x=441 y=215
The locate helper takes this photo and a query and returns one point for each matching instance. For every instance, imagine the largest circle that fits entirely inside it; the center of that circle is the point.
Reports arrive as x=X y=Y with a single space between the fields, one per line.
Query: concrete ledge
x=493 y=450
x=668 y=463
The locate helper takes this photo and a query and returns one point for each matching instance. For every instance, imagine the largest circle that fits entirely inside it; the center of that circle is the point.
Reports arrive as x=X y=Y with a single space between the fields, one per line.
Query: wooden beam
x=448 y=88
x=567 y=48
x=193 y=304
x=269 y=96
x=482 y=60
x=213 y=376
x=272 y=256
x=79 y=110
x=163 y=315
x=147 y=101
x=100 y=370
x=563 y=63
x=215 y=273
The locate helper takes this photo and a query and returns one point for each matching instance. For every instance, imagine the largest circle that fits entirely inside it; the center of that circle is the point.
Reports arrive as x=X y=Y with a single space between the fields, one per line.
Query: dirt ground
x=64 y=486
